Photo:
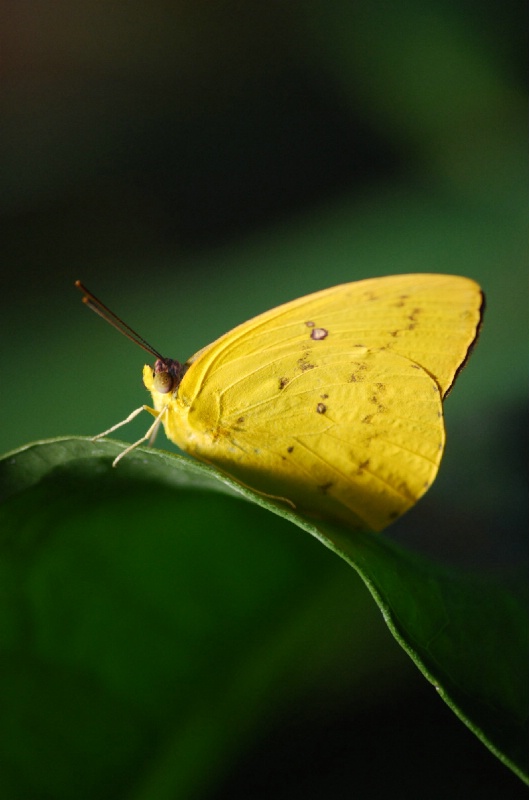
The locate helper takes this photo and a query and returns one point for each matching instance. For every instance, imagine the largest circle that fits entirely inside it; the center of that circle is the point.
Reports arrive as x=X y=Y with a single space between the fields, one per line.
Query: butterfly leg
x=150 y=433
x=130 y=417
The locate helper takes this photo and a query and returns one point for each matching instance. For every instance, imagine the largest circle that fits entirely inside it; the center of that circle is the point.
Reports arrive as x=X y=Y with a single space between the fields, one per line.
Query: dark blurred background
x=196 y=163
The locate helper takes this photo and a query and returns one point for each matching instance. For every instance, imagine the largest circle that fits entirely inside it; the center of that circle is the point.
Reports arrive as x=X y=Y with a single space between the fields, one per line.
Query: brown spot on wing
x=358 y=375
x=319 y=333
x=304 y=364
x=361 y=467
x=321 y=408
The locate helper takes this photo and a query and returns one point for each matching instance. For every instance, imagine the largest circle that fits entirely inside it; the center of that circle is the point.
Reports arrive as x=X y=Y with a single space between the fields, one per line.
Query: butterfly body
x=332 y=401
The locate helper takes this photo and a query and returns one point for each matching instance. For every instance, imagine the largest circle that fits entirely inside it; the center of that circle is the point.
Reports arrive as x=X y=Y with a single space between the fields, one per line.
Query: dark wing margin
x=472 y=344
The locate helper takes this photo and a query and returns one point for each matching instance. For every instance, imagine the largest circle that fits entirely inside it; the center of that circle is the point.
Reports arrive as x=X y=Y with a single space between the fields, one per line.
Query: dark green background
x=197 y=163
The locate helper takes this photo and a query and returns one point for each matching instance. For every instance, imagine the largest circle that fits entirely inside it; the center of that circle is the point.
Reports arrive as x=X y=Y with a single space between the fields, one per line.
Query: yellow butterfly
x=332 y=402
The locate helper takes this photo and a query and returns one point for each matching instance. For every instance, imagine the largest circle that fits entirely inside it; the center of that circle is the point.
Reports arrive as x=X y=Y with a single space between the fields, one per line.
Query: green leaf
x=468 y=635
x=99 y=677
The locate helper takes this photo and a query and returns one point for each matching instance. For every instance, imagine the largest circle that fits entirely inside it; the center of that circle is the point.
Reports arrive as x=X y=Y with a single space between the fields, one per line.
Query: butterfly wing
x=333 y=401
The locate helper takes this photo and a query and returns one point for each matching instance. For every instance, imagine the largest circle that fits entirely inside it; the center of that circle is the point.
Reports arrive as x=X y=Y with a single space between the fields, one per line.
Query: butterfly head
x=166 y=375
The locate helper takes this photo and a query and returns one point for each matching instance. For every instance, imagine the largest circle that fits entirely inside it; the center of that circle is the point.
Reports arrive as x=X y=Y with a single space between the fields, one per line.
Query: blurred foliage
x=197 y=163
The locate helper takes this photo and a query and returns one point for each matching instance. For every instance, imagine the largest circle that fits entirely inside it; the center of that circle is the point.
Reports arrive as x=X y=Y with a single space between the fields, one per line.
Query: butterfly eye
x=163 y=382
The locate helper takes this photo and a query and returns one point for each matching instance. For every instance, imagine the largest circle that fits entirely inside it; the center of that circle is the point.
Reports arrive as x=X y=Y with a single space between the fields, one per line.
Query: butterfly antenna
x=95 y=304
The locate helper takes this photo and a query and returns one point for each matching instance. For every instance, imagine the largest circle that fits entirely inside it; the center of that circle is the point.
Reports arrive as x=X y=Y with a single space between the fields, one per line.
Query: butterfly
x=331 y=402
